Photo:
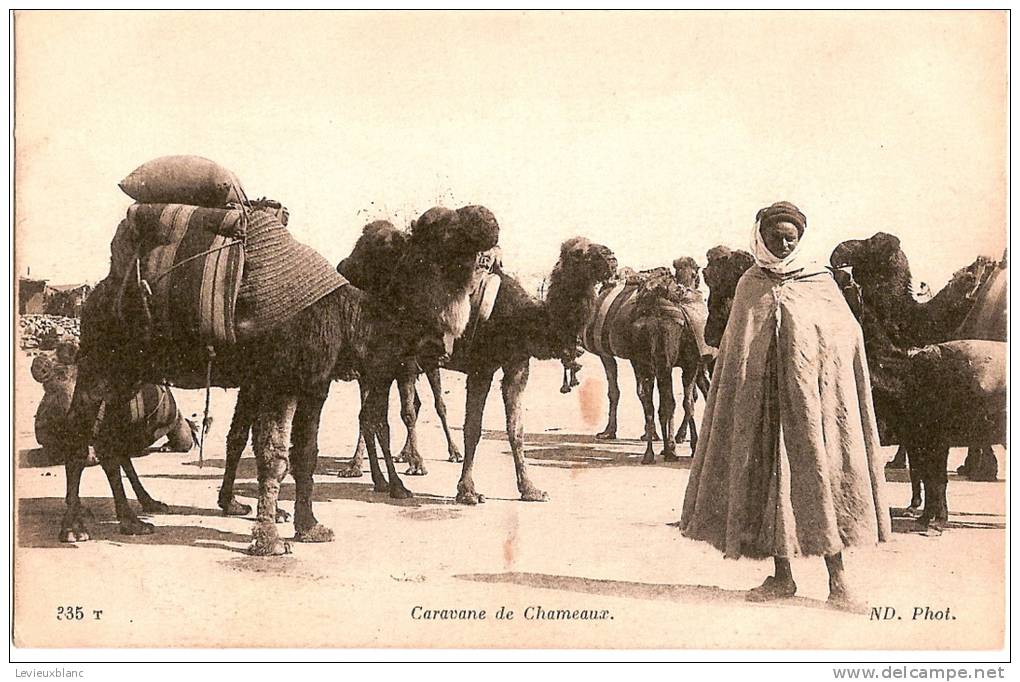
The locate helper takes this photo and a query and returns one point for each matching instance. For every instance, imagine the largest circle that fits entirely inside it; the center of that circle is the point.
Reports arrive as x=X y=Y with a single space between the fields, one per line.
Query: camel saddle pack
x=214 y=276
x=629 y=297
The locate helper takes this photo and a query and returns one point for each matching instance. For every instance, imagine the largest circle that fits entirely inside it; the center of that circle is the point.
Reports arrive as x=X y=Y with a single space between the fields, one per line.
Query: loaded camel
x=507 y=328
x=616 y=330
x=881 y=280
x=283 y=372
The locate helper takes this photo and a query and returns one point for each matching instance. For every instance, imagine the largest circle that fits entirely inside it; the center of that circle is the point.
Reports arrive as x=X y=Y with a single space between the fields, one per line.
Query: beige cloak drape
x=788 y=462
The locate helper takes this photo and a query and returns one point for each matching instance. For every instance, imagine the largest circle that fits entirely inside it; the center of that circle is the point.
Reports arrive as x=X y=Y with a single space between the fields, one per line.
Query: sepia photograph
x=491 y=330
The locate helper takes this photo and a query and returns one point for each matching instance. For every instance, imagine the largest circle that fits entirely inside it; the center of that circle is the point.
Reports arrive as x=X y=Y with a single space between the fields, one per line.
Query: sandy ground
x=604 y=542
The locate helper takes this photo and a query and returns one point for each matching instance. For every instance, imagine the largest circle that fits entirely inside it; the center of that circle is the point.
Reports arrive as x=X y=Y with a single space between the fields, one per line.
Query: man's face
x=781 y=238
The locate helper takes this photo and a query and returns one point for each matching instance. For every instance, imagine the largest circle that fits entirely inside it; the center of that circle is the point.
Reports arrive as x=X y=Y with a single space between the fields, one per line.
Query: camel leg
x=667 y=410
x=85 y=402
x=272 y=427
x=304 y=454
x=376 y=427
x=985 y=466
x=366 y=445
x=645 y=386
x=515 y=380
x=478 y=384
x=237 y=440
x=410 y=405
x=130 y=524
x=915 y=472
x=72 y=528
x=936 y=508
x=612 y=378
x=436 y=384
x=701 y=383
x=352 y=469
x=149 y=505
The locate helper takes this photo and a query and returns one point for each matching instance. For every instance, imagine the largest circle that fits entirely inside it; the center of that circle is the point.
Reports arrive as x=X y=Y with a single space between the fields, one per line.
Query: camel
x=613 y=331
x=283 y=372
x=881 y=274
x=723 y=271
x=151 y=414
x=372 y=267
x=507 y=328
x=968 y=379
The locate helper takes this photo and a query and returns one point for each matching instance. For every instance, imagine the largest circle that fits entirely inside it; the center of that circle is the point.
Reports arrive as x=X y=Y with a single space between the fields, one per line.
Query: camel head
x=878 y=263
x=688 y=272
x=438 y=272
x=374 y=260
x=724 y=269
x=570 y=301
x=586 y=261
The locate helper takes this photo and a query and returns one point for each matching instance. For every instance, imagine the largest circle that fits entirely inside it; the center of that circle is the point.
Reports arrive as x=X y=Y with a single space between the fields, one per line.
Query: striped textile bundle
x=192 y=259
x=281 y=275
x=617 y=306
x=614 y=301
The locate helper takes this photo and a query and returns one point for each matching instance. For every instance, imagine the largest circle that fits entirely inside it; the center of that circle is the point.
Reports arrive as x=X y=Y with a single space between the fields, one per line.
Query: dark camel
x=661 y=329
x=284 y=373
x=882 y=280
x=518 y=328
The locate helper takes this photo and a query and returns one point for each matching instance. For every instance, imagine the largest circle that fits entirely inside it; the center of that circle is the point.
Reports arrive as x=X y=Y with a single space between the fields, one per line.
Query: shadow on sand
x=39 y=519
x=691 y=594
x=569 y=450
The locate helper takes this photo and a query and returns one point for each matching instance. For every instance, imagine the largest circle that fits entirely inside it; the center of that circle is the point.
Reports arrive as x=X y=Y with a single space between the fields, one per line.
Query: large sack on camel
x=183 y=180
x=192 y=259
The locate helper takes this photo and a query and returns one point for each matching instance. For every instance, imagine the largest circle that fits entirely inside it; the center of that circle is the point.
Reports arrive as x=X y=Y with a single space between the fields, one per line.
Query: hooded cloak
x=788 y=462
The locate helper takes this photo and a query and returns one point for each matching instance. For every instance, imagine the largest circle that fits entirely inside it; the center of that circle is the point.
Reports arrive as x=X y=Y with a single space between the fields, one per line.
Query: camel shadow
x=907 y=524
x=680 y=593
x=325 y=491
x=565 y=450
x=246 y=468
x=38 y=458
x=39 y=518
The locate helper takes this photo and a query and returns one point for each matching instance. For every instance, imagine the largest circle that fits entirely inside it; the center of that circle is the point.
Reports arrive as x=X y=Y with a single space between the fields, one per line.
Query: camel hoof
x=399 y=492
x=155 y=507
x=350 y=470
x=416 y=470
x=534 y=495
x=136 y=527
x=73 y=535
x=669 y=457
x=381 y=487
x=235 y=508
x=913 y=511
x=606 y=435
x=282 y=515
x=470 y=497
x=455 y=457
x=317 y=533
x=274 y=548
x=649 y=458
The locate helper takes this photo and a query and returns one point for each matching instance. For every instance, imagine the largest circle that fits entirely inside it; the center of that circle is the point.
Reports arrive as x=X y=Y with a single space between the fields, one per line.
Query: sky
x=656 y=134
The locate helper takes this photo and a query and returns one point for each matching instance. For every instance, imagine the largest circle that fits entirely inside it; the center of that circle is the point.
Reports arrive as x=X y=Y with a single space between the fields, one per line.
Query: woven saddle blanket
x=217 y=275
x=619 y=302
